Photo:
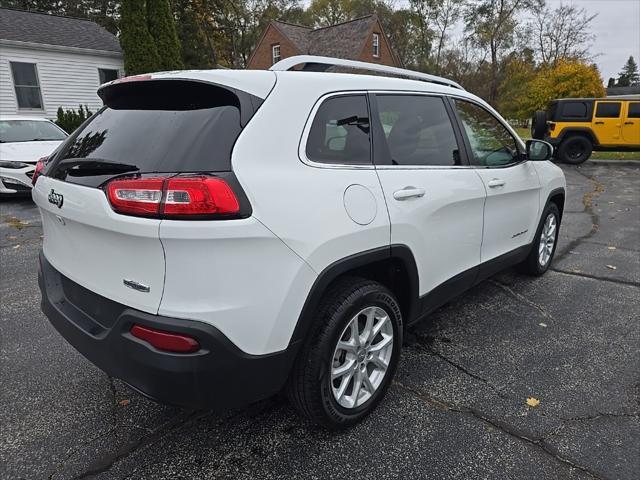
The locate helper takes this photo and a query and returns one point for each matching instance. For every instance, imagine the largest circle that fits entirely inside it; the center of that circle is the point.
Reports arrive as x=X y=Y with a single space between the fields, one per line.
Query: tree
x=196 y=50
x=445 y=14
x=564 y=32
x=491 y=25
x=140 y=53
x=565 y=79
x=163 y=30
x=629 y=74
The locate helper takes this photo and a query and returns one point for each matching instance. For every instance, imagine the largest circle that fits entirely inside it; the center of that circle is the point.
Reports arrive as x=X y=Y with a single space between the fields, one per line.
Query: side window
x=491 y=143
x=418 y=130
x=634 y=110
x=340 y=132
x=608 y=110
x=574 y=110
x=107 y=75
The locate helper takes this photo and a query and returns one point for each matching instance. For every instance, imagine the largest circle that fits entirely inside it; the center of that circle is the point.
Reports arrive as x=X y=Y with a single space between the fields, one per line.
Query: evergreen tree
x=629 y=74
x=163 y=30
x=140 y=53
x=196 y=50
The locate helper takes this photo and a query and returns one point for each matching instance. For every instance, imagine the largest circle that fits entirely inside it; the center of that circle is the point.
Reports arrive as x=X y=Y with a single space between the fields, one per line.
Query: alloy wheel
x=547 y=240
x=361 y=358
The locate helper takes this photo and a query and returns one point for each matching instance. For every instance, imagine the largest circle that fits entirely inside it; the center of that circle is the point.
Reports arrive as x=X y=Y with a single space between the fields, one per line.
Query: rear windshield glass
x=161 y=126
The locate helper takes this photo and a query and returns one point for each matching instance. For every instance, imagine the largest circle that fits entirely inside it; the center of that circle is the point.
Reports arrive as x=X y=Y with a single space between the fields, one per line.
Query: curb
x=629 y=163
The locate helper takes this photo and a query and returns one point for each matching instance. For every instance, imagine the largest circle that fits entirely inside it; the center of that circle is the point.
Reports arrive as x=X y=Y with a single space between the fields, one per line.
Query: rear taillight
x=38 y=170
x=173 y=197
x=167 y=341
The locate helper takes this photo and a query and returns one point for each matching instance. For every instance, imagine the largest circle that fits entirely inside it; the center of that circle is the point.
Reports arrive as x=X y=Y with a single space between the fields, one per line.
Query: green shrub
x=69 y=120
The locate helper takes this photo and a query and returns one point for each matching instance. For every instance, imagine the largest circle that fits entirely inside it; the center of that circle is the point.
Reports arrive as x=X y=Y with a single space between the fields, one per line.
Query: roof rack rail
x=315 y=61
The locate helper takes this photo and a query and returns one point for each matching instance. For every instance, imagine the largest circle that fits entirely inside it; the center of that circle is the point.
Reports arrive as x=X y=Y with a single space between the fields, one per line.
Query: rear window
x=634 y=110
x=153 y=127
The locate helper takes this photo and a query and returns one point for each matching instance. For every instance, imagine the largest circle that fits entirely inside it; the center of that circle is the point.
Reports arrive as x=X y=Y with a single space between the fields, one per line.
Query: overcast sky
x=616 y=29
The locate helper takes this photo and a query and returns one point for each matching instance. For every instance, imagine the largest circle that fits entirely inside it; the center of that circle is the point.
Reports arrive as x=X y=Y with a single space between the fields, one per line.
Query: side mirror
x=539 y=150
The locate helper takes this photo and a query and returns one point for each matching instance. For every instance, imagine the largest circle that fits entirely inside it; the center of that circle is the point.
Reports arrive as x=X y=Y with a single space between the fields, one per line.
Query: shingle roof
x=298 y=34
x=18 y=25
x=343 y=40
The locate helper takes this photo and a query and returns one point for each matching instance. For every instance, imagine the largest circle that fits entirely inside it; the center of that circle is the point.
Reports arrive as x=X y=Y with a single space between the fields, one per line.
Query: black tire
x=309 y=387
x=575 y=150
x=539 y=125
x=532 y=265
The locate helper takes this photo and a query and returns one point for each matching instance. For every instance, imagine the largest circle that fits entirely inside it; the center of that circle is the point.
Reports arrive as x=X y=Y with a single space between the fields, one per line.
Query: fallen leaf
x=611 y=267
x=611 y=248
x=543 y=325
x=16 y=246
x=576 y=270
x=124 y=403
x=533 y=402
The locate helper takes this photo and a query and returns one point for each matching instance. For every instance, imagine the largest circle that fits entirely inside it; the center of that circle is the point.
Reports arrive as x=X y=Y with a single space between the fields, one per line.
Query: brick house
x=360 y=39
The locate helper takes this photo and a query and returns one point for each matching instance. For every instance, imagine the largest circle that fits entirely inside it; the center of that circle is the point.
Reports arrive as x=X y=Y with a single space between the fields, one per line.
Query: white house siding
x=67 y=78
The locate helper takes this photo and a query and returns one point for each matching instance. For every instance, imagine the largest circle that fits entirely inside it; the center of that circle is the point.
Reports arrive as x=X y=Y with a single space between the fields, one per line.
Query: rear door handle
x=628 y=123
x=408 y=192
x=496 y=182
x=599 y=123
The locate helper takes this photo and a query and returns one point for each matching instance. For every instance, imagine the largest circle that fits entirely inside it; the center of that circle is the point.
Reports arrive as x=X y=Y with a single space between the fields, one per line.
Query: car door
x=631 y=124
x=607 y=122
x=435 y=200
x=512 y=184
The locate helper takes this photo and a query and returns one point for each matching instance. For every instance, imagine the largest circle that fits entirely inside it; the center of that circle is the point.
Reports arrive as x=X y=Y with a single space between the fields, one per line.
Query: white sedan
x=23 y=141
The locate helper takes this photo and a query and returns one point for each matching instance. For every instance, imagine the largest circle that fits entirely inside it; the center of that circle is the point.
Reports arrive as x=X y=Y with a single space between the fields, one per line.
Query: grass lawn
x=525 y=133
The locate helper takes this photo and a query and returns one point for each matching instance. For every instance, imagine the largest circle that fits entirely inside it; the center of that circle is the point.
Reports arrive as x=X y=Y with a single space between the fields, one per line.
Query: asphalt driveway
x=519 y=378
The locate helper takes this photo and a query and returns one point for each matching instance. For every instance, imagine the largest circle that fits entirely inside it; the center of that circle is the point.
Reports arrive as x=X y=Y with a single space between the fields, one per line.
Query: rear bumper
x=219 y=375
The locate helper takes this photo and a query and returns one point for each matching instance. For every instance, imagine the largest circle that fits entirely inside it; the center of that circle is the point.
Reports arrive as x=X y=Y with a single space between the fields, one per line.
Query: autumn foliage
x=528 y=89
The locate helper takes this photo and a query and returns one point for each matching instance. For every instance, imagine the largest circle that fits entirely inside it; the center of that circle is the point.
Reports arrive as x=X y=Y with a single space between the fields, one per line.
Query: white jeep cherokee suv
x=212 y=237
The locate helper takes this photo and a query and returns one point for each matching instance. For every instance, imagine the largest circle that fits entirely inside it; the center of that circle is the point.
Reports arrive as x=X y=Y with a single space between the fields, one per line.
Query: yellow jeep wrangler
x=577 y=126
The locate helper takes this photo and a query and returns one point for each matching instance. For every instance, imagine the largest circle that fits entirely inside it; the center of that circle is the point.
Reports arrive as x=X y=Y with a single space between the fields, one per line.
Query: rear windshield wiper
x=81 y=167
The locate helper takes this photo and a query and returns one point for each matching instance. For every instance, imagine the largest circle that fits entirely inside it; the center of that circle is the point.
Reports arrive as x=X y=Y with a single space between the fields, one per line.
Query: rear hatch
x=169 y=133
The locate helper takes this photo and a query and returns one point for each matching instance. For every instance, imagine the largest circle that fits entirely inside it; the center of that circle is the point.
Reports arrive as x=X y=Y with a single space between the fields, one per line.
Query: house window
x=25 y=81
x=376 y=44
x=107 y=75
x=275 y=53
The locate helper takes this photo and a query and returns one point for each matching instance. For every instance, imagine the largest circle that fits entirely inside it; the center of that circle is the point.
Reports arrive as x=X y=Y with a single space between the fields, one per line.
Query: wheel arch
x=393 y=266
x=557 y=196
x=582 y=131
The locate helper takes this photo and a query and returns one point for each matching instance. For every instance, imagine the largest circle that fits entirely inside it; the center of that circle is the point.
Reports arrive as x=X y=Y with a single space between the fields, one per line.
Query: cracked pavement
x=457 y=408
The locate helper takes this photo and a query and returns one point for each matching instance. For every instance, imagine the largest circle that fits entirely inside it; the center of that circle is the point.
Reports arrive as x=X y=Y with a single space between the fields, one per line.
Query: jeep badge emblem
x=56 y=198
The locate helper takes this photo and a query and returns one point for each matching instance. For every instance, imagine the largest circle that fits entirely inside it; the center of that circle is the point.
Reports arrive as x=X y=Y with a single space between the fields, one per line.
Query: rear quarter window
x=340 y=132
x=574 y=110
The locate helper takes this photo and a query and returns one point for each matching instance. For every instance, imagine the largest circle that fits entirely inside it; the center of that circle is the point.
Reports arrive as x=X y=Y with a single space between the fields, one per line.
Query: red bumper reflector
x=169 y=342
